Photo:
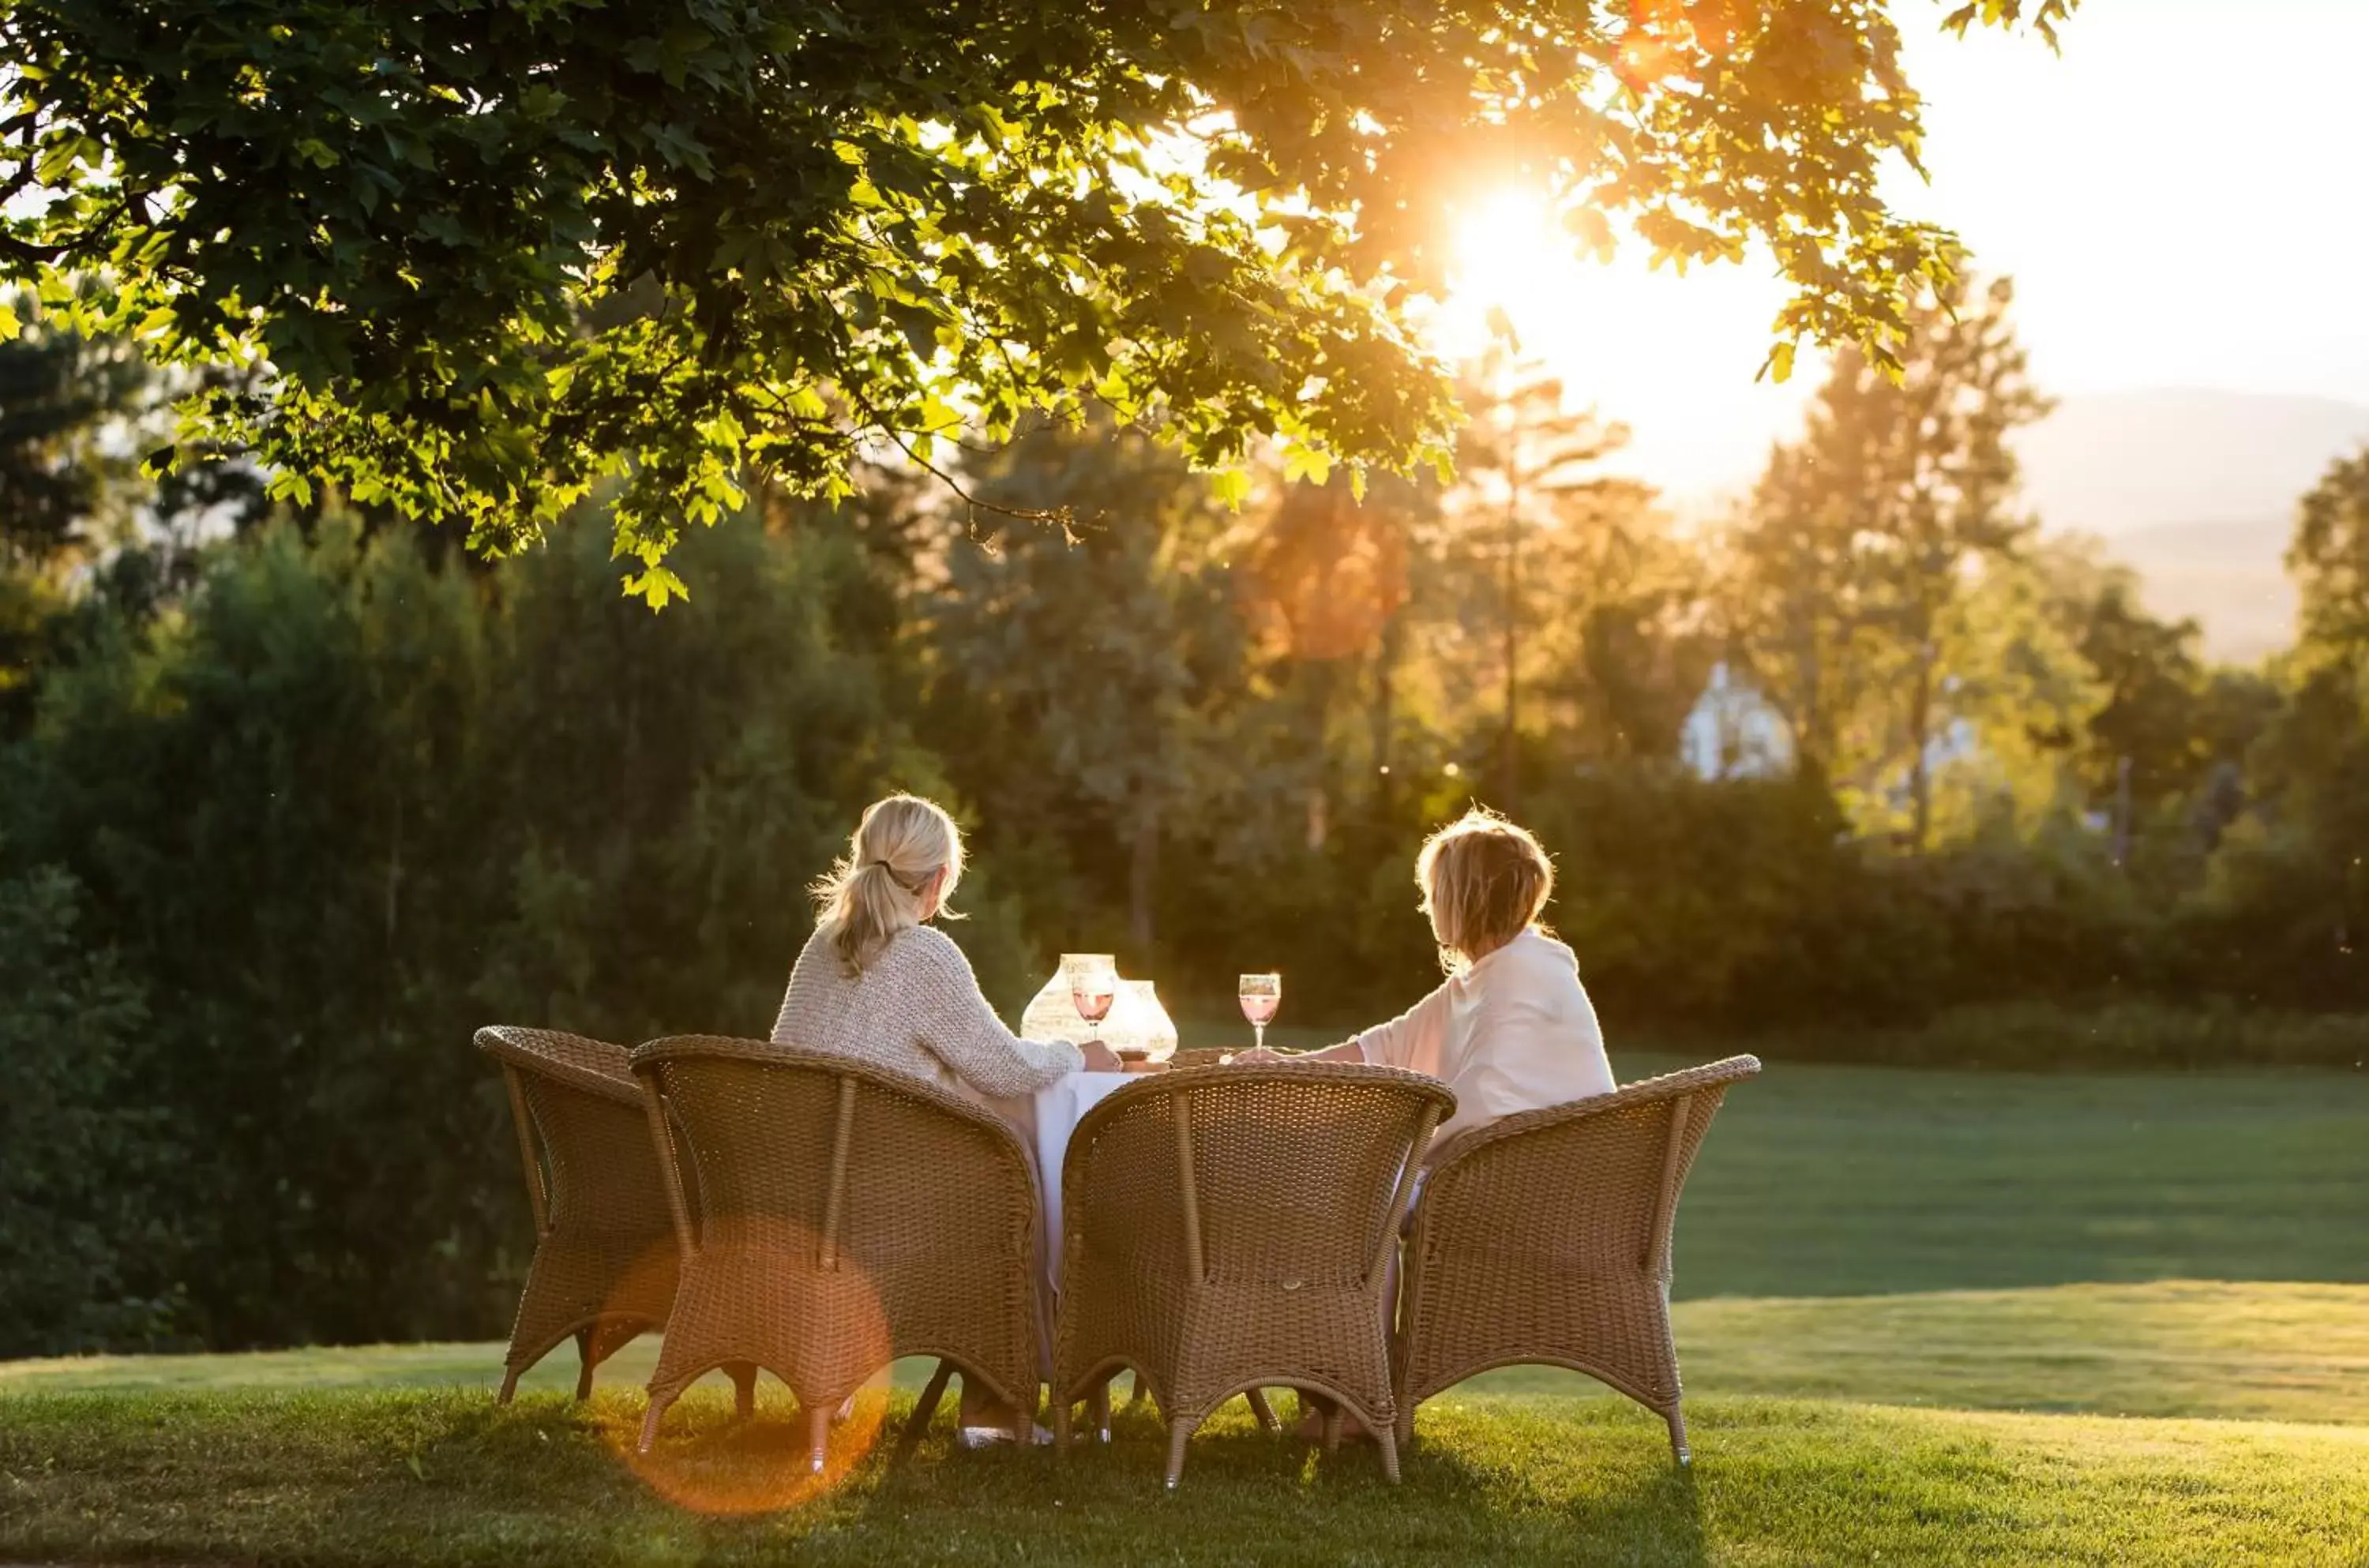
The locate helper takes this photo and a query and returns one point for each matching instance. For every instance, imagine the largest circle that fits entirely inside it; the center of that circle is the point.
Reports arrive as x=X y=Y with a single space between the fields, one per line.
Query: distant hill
x=2196 y=489
x=2227 y=576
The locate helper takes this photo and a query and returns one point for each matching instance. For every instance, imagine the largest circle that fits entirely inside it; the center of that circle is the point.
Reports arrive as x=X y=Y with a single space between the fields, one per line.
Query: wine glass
x=1093 y=986
x=1260 y=995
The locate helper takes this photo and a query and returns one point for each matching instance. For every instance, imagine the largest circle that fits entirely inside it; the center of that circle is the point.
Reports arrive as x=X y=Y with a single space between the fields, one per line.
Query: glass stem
x=1258 y=1032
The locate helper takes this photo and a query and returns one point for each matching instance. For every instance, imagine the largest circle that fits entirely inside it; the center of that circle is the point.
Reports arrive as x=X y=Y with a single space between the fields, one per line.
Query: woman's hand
x=1100 y=1058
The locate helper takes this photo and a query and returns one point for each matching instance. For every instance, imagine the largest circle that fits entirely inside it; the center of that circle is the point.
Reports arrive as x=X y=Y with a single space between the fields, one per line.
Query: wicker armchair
x=604 y=1252
x=1231 y=1228
x=1545 y=1238
x=847 y=1217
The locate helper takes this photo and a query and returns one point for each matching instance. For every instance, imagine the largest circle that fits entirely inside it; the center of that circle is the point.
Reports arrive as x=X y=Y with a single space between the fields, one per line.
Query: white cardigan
x=1514 y=1032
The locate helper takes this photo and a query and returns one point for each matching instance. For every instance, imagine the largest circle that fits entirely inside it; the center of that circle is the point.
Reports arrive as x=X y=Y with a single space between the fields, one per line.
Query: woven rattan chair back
x=1544 y=1239
x=1229 y=1229
x=846 y=1217
x=603 y=1269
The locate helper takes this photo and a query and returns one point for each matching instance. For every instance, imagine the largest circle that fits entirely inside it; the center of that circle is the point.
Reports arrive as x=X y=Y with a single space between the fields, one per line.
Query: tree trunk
x=1920 y=771
x=1383 y=719
x=1510 y=785
x=1142 y=873
x=1814 y=748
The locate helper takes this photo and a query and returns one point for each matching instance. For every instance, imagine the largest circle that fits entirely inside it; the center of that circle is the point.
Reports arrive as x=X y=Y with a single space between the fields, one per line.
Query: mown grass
x=1992 y=1242
x=2264 y=1351
x=1850 y=1180
x=1823 y=1180
x=435 y=1478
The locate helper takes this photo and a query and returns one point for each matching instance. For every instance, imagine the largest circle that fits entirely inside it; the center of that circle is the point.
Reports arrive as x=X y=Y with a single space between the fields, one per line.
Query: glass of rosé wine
x=1093 y=986
x=1260 y=995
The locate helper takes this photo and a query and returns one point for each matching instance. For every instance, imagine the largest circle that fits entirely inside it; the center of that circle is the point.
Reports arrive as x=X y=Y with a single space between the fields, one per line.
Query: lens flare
x=707 y=1459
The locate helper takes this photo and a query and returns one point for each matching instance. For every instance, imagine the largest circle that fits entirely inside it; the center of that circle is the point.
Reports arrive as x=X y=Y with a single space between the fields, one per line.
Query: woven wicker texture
x=847 y=1216
x=1228 y=1228
x=1545 y=1238
x=604 y=1252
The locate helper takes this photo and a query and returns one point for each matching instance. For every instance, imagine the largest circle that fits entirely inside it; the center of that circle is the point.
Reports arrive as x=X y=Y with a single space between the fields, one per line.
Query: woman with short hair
x=1511 y=1028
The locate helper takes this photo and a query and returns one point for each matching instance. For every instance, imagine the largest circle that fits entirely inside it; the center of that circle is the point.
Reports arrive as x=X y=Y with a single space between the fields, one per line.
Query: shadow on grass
x=422 y=1481
x=1248 y=1495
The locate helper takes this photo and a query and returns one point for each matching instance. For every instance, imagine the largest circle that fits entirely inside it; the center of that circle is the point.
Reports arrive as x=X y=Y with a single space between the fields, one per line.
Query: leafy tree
x=497 y=252
x=2162 y=756
x=1533 y=513
x=1083 y=683
x=1864 y=537
x=354 y=802
x=1323 y=578
x=65 y=495
x=83 y=1263
x=2329 y=561
x=2290 y=897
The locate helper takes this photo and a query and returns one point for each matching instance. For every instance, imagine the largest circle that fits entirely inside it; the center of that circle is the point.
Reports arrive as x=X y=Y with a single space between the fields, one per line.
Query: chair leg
x=1390 y=1445
x=818 y=1436
x=1336 y=1416
x=1179 y=1430
x=1264 y=1411
x=659 y=1403
x=1142 y=1392
x=584 y=1366
x=510 y=1386
x=1098 y=1408
x=1407 y=1421
x=923 y=1408
x=744 y=1388
x=1678 y=1449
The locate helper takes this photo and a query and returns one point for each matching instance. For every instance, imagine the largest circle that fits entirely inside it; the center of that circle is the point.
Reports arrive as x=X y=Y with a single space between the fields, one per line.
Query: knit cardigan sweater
x=917 y=1010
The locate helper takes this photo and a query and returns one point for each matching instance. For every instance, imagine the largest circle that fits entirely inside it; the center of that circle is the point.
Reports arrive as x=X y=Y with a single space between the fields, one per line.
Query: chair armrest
x=573 y=1059
x=1668 y=1085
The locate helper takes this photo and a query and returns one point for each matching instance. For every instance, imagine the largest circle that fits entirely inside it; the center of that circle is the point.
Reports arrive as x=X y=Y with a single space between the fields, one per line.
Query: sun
x=1512 y=266
x=1673 y=357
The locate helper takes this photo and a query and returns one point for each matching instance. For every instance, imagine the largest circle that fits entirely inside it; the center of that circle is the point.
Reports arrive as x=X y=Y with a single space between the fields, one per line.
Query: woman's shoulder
x=923 y=947
x=1539 y=953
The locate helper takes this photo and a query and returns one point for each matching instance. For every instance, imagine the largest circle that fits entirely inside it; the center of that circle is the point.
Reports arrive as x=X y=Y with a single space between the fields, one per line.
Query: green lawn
x=429 y=1478
x=1853 y=1181
x=1849 y=1181
x=2264 y=1351
x=1926 y=1316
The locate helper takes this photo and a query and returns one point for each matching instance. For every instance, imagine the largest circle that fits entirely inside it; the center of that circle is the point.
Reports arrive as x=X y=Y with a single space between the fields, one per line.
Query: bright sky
x=2178 y=198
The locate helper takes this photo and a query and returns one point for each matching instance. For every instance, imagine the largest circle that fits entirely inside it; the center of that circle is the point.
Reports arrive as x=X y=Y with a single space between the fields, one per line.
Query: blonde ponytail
x=875 y=890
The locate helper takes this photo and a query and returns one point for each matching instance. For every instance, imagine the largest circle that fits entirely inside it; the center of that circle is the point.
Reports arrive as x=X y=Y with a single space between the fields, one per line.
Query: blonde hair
x=1484 y=881
x=875 y=892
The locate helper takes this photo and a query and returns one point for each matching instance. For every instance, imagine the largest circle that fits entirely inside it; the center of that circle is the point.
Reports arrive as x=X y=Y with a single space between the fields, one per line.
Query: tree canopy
x=496 y=252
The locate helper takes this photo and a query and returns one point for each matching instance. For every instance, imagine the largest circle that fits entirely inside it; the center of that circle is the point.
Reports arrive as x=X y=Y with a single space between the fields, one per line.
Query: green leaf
x=1312 y=464
x=1231 y=486
x=655 y=586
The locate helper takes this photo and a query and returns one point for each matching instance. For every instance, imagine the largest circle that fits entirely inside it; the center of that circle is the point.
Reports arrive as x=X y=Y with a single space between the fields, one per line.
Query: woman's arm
x=1414 y=1039
x=1409 y=1040
x=963 y=1031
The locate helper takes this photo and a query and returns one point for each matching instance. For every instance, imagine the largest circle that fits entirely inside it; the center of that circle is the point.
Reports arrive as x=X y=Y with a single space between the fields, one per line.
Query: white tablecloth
x=1058 y=1111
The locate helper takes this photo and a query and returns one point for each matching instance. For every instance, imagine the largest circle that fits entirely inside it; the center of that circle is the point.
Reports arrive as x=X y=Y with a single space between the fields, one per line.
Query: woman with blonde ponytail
x=877 y=983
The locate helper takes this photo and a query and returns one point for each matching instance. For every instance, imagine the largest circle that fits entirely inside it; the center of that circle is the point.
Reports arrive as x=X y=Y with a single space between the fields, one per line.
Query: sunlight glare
x=1507 y=252
x=1674 y=358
